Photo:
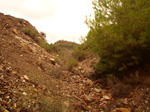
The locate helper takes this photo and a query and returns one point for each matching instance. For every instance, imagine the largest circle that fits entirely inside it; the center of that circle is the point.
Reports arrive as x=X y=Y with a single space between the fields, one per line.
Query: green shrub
x=33 y=34
x=55 y=48
x=120 y=34
x=30 y=32
x=46 y=46
x=80 y=51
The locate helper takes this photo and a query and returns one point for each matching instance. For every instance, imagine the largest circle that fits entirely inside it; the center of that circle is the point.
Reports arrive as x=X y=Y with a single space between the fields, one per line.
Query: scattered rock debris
x=16 y=92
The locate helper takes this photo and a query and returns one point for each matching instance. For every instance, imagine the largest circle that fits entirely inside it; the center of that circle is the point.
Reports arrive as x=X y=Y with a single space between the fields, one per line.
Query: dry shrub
x=119 y=88
x=72 y=63
x=47 y=104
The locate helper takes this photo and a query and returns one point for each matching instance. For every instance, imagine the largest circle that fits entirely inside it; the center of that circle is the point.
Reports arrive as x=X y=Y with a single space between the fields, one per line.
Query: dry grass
x=47 y=104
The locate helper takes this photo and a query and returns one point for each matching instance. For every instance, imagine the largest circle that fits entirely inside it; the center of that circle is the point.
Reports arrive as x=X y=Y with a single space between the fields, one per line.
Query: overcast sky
x=59 y=19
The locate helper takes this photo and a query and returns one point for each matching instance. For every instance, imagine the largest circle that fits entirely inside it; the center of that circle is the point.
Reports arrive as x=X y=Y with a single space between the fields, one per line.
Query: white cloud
x=59 y=19
x=33 y=9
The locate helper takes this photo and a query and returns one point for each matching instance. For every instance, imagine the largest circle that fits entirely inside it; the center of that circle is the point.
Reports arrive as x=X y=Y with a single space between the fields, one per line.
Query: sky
x=59 y=19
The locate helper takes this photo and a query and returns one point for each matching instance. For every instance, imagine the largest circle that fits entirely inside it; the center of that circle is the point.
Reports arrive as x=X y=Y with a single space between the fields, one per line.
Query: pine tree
x=120 y=33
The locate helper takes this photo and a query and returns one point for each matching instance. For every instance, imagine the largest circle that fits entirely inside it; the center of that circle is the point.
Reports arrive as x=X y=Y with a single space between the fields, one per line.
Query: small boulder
x=53 y=61
x=88 y=99
x=97 y=90
x=106 y=97
x=89 y=82
x=24 y=93
x=13 y=72
x=26 y=77
x=15 y=31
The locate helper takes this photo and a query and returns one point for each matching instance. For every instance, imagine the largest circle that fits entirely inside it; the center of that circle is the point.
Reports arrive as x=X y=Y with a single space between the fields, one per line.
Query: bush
x=46 y=46
x=72 y=63
x=43 y=34
x=30 y=32
x=55 y=48
x=81 y=51
x=49 y=105
x=57 y=73
x=119 y=34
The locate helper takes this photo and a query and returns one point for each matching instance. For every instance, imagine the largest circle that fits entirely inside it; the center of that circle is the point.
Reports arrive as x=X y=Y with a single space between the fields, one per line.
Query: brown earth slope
x=23 y=54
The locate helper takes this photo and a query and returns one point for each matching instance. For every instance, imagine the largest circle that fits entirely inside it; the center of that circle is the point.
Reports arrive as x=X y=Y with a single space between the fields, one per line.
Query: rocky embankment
x=17 y=93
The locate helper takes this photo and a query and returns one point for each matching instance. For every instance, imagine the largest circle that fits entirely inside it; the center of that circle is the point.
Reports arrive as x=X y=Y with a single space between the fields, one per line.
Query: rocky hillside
x=24 y=57
x=33 y=80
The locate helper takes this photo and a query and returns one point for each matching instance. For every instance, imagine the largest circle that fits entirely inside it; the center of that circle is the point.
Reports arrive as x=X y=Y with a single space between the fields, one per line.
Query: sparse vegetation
x=119 y=89
x=61 y=45
x=55 y=48
x=30 y=32
x=65 y=44
x=46 y=46
x=49 y=105
x=43 y=34
x=56 y=73
x=81 y=51
x=33 y=34
x=62 y=51
x=72 y=62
